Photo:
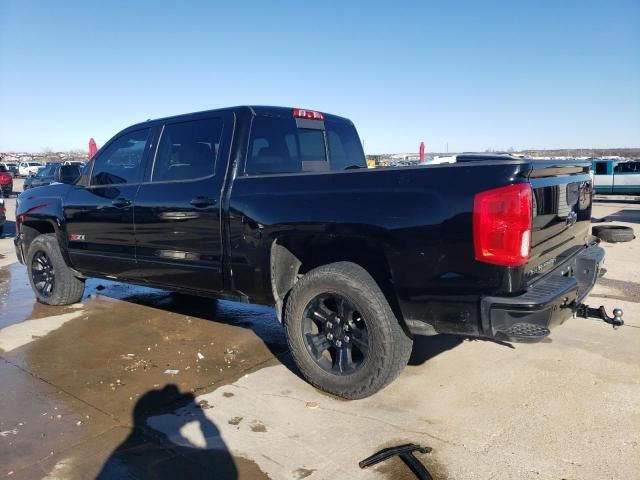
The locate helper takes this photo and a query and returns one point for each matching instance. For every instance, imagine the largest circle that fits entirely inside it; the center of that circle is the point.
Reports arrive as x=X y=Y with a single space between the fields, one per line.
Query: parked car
x=3 y=213
x=53 y=172
x=276 y=206
x=79 y=163
x=613 y=176
x=6 y=181
x=26 y=169
x=11 y=166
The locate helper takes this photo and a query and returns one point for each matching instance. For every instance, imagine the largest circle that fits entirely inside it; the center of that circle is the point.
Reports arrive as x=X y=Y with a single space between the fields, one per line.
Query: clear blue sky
x=475 y=74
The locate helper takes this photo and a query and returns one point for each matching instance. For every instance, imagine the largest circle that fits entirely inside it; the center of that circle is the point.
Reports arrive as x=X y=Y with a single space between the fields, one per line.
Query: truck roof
x=266 y=110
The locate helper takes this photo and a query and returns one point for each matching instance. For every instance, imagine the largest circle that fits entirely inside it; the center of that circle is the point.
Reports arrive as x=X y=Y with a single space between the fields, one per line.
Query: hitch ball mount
x=585 y=311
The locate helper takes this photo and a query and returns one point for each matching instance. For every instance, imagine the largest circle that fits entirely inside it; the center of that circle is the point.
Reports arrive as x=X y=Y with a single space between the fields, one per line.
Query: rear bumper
x=547 y=303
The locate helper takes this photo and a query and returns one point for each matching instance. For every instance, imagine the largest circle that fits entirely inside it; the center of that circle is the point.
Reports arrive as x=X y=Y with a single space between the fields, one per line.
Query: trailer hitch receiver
x=585 y=311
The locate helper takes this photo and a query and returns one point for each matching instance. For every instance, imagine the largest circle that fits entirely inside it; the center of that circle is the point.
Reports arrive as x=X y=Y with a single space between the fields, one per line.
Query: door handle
x=121 y=202
x=202 y=202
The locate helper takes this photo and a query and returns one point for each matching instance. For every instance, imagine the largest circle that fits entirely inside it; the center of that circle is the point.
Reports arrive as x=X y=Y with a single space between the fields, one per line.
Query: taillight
x=502 y=225
x=308 y=114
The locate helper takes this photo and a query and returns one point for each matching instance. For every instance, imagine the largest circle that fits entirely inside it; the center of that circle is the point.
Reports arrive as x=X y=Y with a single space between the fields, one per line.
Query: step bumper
x=548 y=303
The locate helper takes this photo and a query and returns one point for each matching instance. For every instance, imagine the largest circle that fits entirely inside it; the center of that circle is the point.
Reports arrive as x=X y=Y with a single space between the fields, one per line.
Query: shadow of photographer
x=187 y=444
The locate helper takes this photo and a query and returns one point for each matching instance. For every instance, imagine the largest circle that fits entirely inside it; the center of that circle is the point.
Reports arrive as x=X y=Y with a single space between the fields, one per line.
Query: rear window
x=3 y=169
x=601 y=168
x=277 y=145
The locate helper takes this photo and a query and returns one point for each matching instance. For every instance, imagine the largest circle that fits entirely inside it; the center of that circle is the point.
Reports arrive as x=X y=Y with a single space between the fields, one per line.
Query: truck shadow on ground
x=425 y=348
x=146 y=453
x=625 y=215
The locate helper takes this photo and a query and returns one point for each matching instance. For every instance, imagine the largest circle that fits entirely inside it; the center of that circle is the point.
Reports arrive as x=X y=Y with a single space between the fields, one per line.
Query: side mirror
x=68 y=174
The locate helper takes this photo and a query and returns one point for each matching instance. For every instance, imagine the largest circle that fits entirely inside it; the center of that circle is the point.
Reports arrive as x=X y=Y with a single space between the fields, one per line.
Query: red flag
x=421 y=152
x=93 y=148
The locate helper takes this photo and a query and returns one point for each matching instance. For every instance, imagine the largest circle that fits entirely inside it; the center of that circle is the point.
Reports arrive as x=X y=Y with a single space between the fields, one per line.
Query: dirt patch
x=235 y=421
x=301 y=473
x=203 y=404
x=258 y=427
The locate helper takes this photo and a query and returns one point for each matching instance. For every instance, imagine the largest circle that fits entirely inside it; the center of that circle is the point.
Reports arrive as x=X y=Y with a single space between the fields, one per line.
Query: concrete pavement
x=141 y=382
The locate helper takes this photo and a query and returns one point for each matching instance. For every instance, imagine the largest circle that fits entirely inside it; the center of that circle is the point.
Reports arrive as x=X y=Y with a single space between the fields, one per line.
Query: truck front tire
x=51 y=279
x=342 y=333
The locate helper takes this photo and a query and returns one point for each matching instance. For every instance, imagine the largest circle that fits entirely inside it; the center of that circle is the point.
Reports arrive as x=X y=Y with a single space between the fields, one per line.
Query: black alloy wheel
x=43 y=274
x=335 y=334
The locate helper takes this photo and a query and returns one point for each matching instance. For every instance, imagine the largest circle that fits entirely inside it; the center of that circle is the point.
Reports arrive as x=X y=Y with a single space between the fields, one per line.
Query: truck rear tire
x=52 y=281
x=342 y=333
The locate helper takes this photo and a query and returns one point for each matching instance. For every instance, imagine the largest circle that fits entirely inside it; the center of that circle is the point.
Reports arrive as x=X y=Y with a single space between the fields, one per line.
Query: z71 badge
x=74 y=237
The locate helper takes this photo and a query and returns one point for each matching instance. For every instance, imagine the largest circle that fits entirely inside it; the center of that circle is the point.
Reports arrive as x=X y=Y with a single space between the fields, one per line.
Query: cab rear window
x=278 y=145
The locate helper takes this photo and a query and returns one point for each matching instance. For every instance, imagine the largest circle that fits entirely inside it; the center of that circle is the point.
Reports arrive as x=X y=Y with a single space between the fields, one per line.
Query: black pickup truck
x=276 y=206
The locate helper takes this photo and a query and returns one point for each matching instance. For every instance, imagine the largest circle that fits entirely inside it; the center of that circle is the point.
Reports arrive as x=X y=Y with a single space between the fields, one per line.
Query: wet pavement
x=140 y=383
x=95 y=369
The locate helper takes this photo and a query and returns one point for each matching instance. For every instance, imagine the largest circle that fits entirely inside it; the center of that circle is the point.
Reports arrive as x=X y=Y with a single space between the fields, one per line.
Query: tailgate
x=561 y=213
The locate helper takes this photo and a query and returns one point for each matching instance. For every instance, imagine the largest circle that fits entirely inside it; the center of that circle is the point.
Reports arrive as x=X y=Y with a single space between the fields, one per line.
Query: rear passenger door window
x=628 y=167
x=187 y=150
x=121 y=162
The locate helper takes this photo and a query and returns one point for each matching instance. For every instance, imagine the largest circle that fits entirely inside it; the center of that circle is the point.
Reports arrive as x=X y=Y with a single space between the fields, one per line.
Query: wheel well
x=33 y=228
x=292 y=257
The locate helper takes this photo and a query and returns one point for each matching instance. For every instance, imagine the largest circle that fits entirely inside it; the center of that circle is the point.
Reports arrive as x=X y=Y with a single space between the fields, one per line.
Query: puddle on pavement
x=17 y=304
x=37 y=419
x=119 y=349
x=17 y=301
x=127 y=337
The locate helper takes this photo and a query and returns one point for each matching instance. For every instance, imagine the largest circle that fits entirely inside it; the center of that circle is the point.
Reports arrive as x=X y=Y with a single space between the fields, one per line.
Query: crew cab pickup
x=275 y=206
